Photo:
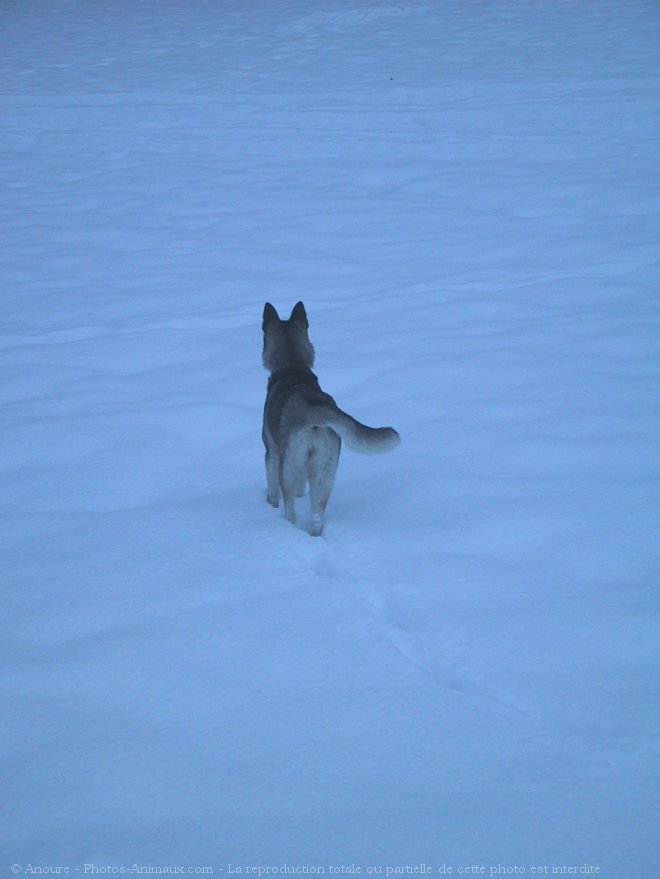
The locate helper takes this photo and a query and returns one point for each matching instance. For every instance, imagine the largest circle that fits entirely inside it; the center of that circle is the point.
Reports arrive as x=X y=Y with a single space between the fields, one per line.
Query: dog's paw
x=316 y=526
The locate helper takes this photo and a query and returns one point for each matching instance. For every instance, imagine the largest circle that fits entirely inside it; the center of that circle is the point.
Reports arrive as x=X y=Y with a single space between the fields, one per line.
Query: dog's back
x=303 y=426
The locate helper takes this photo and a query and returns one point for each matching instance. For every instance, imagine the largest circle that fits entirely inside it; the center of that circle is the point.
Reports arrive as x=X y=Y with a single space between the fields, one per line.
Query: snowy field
x=462 y=672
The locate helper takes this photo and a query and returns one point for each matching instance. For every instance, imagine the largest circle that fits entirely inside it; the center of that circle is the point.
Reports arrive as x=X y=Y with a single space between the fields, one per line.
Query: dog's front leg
x=289 y=478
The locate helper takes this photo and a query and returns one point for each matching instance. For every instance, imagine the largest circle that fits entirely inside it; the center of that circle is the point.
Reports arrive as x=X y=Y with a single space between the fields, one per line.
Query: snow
x=462 y=673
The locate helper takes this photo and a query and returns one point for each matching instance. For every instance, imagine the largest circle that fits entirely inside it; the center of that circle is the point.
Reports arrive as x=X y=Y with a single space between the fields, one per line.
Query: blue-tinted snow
x=462 y=670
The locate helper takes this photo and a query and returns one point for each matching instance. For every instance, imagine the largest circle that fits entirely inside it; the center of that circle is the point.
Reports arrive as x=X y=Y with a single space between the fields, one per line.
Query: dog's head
x=286 y=342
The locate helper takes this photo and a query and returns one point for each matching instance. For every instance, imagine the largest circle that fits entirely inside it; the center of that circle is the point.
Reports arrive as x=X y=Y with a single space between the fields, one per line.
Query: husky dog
x=303 y=426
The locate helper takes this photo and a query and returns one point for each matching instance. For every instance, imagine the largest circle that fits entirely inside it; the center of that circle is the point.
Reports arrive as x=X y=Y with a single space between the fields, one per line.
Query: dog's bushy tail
x=357 y=436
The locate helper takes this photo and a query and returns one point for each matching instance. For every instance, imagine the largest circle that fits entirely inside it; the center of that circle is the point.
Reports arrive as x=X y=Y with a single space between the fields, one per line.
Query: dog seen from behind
x=303 y=426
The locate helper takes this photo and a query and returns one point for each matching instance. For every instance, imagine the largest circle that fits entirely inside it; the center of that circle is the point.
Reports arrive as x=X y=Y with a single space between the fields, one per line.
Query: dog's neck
x=289 y=370
x=293 y=375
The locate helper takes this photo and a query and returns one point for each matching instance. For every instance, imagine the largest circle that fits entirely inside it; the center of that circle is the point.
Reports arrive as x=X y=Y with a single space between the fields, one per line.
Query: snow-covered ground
x=462 y=671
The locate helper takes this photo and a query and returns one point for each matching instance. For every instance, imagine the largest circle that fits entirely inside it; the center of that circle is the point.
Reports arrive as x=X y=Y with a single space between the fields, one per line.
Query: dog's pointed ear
x=299 y=314
x=270 y=315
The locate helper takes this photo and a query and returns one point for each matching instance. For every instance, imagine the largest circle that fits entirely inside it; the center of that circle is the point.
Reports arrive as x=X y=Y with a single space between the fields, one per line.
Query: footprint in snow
x=316 y=554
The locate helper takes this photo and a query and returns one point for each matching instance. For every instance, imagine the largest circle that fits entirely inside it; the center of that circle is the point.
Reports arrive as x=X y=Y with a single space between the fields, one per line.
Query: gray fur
x=303 y=426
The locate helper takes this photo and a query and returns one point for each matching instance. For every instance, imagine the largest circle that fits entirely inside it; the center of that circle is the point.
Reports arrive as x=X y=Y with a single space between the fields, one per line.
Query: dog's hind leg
x=272 y=479
x=322 y=469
